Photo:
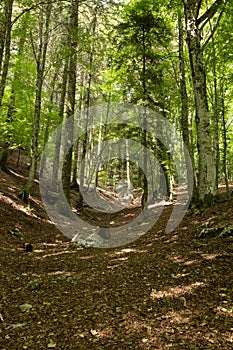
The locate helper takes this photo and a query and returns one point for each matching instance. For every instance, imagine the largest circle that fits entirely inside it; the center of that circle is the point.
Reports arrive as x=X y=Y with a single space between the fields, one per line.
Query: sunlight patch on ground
x=226 y=310
x=176 y=291
x=228 y=336
x=21 y=208
x=18 y=175
x=55 y=254
x=132 y=323
x=126 y=251
x=63 y=273
x=209 y=256
x=89 y=257
x=181 y=260
x=178 y=317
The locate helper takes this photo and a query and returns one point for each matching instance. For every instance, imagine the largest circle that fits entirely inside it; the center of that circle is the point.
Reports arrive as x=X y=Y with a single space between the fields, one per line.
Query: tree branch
x=28 y=9
x=198 y=8
x=211 y=11
x=213 y=30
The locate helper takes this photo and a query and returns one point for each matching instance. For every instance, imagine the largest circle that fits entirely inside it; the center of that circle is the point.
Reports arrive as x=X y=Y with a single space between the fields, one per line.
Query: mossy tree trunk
x=207 y=162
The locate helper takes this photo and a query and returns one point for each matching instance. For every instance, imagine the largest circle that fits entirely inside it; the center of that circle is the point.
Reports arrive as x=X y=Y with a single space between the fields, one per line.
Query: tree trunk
x=207 y=170
x=72 y=73
x=56 y=156
x=77 y=156
x=144 y=131
x=224 y=138
x=5 y=47
x=87 y=102
x=215 y=111
x=40 y=60
x=7 y=142
x=184 y=97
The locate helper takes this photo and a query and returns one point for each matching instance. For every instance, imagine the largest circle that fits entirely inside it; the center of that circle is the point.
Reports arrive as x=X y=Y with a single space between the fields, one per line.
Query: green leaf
x=25 y=307
x=16 y=325
x=94 y=332
x=51 y=345
x=144 y=340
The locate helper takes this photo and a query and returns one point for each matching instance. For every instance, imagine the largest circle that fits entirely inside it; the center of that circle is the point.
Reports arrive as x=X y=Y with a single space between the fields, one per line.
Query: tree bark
x=56 y=156
x=207 y=169
x=40 y=60
x=184 y=97
x=5 y=46
x=70 y=108
x=11 y=110
x=224 y=138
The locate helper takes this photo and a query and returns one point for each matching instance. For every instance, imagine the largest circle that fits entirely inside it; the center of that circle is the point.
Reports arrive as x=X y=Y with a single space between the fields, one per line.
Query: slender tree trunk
x=11 y=109
x=56 y=157
x=215 y=111
x=5 y=47
x=78 y=142
x=87 y=102
x=224 y=138
x=2 y=42
x=144 y=131
x=40 y=60
x=184 y=97
x=5 y=151
x=70 y=107
x=47 y=124
x=183 y=89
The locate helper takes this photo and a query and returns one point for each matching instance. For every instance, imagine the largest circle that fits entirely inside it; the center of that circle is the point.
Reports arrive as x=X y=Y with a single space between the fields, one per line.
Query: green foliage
x=140 y=38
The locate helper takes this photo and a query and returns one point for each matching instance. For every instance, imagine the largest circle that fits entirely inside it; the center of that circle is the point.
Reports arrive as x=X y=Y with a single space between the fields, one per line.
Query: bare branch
x=198 y=8
x=27 y=10
x=213 y=30
x=33 y=47
x=211 y=11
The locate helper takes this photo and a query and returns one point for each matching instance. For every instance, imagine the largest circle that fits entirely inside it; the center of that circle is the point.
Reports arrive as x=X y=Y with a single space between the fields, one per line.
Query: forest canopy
x=60 y=58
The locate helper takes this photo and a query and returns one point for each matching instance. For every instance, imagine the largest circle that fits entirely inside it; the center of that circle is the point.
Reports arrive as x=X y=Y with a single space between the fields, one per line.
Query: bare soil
x=162 y=291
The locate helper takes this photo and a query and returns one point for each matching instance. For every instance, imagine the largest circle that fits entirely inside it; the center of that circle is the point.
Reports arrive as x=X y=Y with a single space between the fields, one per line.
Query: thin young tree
x=40 y=57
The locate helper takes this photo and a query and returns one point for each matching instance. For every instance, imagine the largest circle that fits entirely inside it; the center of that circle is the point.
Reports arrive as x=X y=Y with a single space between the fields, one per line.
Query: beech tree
x=195 y=24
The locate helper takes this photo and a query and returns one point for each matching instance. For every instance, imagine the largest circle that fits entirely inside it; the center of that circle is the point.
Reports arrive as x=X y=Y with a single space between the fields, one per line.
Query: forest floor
x=162 y=291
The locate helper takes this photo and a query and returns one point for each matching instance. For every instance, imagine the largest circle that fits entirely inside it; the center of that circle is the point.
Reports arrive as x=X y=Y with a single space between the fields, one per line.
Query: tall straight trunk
x=215 y=111
x=5 y=151
x=224 y=138
x=56 y=157
x=5 y=47
x=78 y=142
x=40 y=61
x=70 y=106
x=184 y=96
x=87 y=102
x=144 y=131
x=11 y=109
x=47 y=124
x=207 y=164
x=183 y=89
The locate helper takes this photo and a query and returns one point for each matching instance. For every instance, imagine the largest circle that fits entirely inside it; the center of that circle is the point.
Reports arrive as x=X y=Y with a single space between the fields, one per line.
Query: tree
x=194 y=27
x=143 y=34
x=5 y=44
x=40 y=57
